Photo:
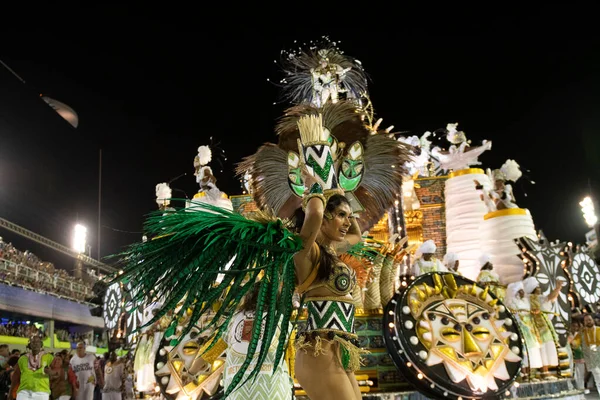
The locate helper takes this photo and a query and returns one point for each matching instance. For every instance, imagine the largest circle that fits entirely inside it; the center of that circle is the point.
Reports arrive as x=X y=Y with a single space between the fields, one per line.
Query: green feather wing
x=190 y=249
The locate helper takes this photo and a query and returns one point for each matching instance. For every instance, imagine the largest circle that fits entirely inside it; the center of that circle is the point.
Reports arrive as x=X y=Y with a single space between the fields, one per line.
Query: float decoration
x=452 y=338
x=586 y=276
x=112 y=305
x=188 y=370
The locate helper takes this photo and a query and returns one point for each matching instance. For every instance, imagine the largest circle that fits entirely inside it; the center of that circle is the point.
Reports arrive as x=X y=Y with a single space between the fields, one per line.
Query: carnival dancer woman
x=518 y=303
x=328 y=347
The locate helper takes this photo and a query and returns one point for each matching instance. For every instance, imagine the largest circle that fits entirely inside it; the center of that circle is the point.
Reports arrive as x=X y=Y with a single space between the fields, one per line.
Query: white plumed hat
x=428 y=247
x=530 y=284
x=450 y=258
x=484 y=259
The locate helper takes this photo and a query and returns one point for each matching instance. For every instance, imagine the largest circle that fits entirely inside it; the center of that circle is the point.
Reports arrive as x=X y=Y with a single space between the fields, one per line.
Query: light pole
x=589 y=213
x=79 y=245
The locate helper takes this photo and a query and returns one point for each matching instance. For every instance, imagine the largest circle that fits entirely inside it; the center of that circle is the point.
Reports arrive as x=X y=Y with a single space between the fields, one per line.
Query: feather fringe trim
x=382 y=183
x=268 y=177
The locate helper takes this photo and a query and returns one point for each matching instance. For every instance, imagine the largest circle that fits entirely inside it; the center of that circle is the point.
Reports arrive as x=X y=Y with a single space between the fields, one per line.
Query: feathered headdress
x=369 y=167
x=319 y=73
x=510 y=171
x=163 y=194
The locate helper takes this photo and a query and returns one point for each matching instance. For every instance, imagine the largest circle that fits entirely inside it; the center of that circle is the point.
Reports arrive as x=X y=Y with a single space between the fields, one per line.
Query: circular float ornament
x=452 y=338
x=182 y=370
x=113 y=305
x=586 y=277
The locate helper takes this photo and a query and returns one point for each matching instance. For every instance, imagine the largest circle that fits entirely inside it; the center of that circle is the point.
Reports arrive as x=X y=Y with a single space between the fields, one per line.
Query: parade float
x=440 y=335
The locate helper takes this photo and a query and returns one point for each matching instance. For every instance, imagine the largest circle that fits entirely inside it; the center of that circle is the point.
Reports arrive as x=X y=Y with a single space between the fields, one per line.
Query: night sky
x=148 y=95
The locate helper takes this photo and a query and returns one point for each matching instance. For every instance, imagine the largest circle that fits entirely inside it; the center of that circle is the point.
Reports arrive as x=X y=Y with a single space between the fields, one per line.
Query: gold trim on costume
x=505 y=212
x=361 y=312
x=465 y=172
x=428 y=178
x=432 y=205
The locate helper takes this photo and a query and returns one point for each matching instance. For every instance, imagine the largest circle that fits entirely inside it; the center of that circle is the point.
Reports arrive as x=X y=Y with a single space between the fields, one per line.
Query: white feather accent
x=511 y=170
x=163 y=192
x=204 y=155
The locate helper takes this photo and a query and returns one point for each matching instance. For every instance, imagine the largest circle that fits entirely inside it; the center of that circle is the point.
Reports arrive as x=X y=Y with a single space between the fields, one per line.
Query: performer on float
x=545 y=330
x=209 y=192
x=327 y=79
x=518 y=303
x=501 y=196
x=451 y=262
x=488 y=277
x=590 y=343
x=427 y=262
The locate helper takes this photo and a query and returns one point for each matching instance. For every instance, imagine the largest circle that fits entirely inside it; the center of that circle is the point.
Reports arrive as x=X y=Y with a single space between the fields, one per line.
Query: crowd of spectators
x=27 y=330
x=25 y=269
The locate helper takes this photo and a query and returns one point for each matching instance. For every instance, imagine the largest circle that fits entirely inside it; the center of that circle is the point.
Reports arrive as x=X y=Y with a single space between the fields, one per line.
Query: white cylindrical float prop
x=498 y=233
x=464 y=214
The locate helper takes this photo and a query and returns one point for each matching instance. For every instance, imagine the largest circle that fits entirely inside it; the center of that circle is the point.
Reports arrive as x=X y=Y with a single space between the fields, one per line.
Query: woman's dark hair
x=250 y=299
x=488 y=266
x=327 y=260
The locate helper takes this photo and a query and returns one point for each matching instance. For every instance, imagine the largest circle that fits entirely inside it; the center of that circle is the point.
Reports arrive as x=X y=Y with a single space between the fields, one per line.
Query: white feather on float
x=163 y=192
x=511 y=170
x=204 y=155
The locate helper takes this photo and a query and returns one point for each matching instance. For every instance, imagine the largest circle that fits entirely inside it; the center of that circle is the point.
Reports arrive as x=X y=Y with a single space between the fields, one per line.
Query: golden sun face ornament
x=186 y=371
x=454 y=337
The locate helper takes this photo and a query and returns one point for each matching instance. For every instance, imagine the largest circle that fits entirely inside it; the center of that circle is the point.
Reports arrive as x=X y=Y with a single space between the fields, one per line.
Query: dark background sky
x=148 y=94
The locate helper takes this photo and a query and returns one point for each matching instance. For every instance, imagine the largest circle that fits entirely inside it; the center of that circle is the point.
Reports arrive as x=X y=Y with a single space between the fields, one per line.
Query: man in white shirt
x=83 y=365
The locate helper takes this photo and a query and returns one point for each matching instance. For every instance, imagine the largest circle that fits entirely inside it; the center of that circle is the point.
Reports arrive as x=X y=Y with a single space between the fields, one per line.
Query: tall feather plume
x=382 y=183
x=268 y=169
x=343 y=119
x=311 y=129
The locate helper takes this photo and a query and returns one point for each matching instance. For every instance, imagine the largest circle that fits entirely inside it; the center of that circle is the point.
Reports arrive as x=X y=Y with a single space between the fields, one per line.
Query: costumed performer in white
x=488 y=277
x=501 y=196
x=540 y=305
x=518 y=303
x=427 y=262
x=452 y=262
x=209 y=192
